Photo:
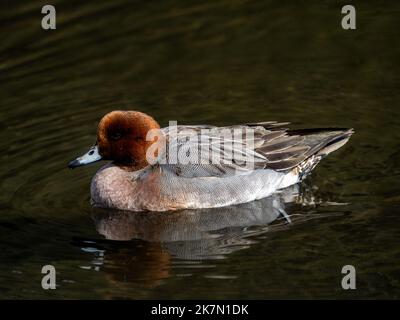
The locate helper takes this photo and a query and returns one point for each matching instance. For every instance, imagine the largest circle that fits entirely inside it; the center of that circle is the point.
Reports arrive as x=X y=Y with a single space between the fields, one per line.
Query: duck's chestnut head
x=122 y=136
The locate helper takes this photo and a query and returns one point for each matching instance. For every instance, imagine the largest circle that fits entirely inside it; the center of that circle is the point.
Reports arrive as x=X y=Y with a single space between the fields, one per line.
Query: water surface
x=216 y=62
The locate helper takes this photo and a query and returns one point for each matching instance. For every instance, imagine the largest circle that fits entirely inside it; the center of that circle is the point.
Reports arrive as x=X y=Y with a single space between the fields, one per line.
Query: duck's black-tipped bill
x=74 y=164
x=91 y=156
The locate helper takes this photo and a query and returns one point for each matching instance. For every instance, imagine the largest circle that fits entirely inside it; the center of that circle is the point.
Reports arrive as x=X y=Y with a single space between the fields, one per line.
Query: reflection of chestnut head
x=141 y=263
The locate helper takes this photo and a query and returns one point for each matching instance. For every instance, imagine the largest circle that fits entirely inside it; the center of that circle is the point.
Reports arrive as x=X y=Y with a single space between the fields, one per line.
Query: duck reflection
x=197 y=234
x=149 y=243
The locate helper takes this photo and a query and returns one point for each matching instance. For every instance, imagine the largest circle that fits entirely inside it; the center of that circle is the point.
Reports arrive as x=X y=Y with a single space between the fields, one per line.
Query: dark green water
x=217 y=62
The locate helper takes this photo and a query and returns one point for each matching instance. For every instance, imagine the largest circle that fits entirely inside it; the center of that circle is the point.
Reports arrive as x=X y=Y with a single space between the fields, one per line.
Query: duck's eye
x=115 y=136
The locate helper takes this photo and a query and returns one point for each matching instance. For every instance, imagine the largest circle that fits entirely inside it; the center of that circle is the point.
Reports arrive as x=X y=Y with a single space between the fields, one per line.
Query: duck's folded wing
x=208 y=151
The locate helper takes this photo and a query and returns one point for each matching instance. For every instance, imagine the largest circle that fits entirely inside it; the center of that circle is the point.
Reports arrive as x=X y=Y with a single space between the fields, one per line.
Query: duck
x=199 y=166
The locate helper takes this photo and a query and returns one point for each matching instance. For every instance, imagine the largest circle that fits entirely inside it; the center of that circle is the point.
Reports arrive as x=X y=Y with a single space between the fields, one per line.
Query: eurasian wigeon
x=191 y=167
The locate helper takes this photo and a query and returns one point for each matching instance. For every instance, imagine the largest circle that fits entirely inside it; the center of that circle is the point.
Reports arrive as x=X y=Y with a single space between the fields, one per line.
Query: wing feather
x=269 y=146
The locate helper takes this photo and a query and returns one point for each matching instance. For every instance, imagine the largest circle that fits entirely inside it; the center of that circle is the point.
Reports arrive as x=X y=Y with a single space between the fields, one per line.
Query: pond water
x=215 y=62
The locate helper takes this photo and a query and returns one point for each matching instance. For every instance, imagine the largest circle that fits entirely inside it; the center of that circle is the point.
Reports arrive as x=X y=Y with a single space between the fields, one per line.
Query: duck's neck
x=132 y=166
